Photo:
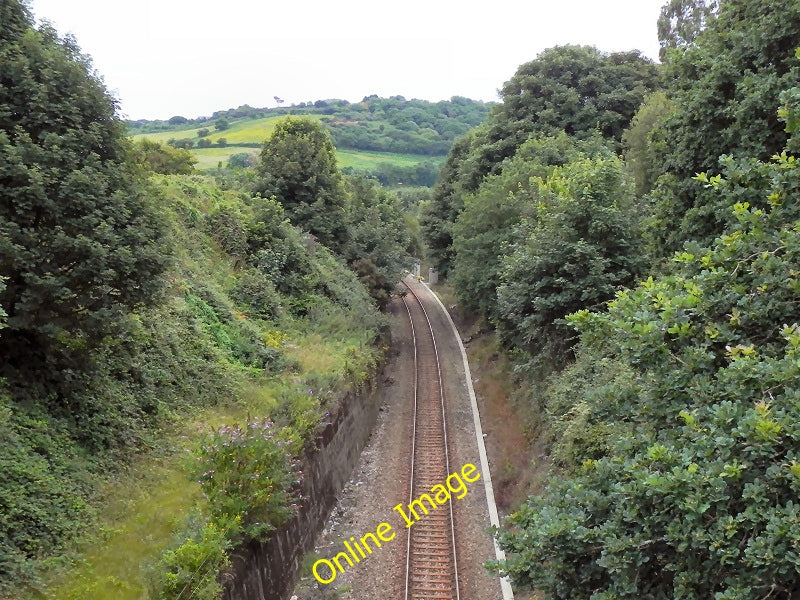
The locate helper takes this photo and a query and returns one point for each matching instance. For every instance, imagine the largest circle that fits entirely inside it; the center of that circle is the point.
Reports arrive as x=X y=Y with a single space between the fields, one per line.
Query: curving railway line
x=431 y=566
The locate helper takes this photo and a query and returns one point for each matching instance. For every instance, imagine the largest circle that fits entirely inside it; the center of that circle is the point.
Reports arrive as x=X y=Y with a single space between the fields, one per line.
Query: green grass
x=255 y=131
x=245 y=131
x=367 y=161
x=209 y=158
x=139 y=523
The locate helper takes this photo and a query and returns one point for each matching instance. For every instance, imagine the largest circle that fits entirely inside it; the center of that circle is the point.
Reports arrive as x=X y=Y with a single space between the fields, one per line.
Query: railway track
x=431 y=566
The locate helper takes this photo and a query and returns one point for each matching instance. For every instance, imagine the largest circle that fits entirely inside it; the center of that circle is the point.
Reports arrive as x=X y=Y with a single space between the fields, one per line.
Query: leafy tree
x=164 y=159
x=578 y=250
x=241 y=160
x=378 y=241
x=446 y=202
x=488 y=226
x=681 y=21
x=574 y=89
x=298 y=167
x=183 y=143
x=221 y=124
x=724 y=87
x=639 y=144
x=79 y=245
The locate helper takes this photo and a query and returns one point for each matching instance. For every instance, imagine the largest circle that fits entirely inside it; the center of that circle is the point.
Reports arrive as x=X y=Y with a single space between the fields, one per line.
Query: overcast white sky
x=191 y=57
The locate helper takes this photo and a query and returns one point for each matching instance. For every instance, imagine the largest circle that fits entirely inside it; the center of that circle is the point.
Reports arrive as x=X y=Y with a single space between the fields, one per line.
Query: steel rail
x=436 y=567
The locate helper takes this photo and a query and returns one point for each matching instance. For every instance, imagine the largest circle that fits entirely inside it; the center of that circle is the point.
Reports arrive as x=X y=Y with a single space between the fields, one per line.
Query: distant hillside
x=393 y=139
x=375 y=124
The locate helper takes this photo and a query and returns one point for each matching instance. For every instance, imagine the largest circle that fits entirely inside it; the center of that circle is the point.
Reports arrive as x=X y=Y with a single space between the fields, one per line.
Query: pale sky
x=162 y=58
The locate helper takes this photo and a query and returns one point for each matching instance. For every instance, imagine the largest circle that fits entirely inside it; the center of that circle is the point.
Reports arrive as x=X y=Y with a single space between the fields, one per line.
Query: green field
x=362 y=160
x=245 y=131
x=255 y=131
x=209 y=158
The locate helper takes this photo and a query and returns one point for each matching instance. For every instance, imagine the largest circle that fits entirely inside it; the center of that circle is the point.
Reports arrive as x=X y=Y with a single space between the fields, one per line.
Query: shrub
x=695 y=496
x=248 y=474
x=191 y=570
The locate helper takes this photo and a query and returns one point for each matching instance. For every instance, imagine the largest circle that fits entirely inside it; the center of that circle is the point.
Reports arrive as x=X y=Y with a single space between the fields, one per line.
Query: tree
x=638 y=144
x=221 y=124
x=573 y=89
x=164 y=159
x=580 y=248
x=681 y=21
x=489 y=225
x=298 y=167
x=241 y=160
x=439 y=215
x=79 y=244
x=695 y=372
x=378 y=241
x=724 y=87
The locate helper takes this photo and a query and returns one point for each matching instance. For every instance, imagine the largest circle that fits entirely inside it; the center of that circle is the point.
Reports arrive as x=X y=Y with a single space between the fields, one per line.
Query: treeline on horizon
x=375 y=124
x=631 y=231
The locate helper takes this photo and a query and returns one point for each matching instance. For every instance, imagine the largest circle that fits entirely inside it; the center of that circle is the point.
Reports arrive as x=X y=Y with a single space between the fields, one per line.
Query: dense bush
x=689 y=387
x=80 y=245
x=248 y=475
x=191 y=569
x=575 y=252
x=490 y=224
x=724 y=88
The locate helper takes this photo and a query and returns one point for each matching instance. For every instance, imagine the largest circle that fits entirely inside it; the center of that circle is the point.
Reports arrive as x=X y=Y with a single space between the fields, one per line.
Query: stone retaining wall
x=268 y=570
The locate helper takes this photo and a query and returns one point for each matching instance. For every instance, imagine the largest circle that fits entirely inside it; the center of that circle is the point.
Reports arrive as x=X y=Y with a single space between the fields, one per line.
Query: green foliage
x=42 y=503
x=378 y=241
x=248 y=475
x=241 y=160
x=639 y=144
x=573 y=89
x=579 y=248
x=163 y=159
x=400 y=141
x=681 y=21
x=191 y=569
x=447 y=201
x=688 y=388
x=406 y=126
x=79 y=244
x=576 y=89
x=182 y=144
x=487 y=228
x=725 y=87
x=298 y=167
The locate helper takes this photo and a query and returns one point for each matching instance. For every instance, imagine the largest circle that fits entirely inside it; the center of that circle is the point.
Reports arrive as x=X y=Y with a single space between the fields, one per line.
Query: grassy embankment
x=261 y=360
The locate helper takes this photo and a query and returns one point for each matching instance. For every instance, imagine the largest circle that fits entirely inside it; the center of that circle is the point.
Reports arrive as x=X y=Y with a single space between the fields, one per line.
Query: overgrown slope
x=227 y=341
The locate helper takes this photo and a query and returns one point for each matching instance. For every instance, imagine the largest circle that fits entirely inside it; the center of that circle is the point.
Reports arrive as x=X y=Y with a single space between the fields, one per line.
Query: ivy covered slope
x=139 y=305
